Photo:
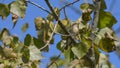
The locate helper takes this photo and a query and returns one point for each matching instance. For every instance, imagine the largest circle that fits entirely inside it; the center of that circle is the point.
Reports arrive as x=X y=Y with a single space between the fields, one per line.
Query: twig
x=69 y=4
x=59 y=22
x=49 y=38
x=62 y=34
x=54 y=60
x=65 y=13
x=39 y=6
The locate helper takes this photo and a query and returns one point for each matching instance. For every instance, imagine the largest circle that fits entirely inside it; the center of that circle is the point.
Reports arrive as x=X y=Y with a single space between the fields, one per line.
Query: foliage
x=80 y=43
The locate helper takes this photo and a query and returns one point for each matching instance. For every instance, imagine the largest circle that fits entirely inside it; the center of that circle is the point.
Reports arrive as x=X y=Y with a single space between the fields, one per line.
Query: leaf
x=61 y=45
x=104 y=62
x=101 y=34
x=45 y=28
x=86 y=17
x=1 y=51
x=5 y=37
x=14 y=41
x=33 y=65
x=25 y=54
x=57 y=11
x=103 y=5
x=39 y=23
x=50 y=17
x=35 y=53
x=8 y=53
x=86 y=7
x=80 y=50
x=4 y=33
x=107 y=45
x=18 y=7
x=38 y=43
x=106 y=19
x=69 y=56
x=66 y=23
x=25 y=27
x=27 y=40
x=4 y=10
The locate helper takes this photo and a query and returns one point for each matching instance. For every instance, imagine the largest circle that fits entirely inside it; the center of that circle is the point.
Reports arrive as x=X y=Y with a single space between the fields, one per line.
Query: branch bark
x=97 y=4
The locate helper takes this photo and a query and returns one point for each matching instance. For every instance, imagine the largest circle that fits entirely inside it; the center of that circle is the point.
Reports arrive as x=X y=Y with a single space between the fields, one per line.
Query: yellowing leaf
x=5 y=37
x=35 y=53
x=25 y=27
x=18 y=7
x=66 y=23
x=80 y=50
x=39 y=23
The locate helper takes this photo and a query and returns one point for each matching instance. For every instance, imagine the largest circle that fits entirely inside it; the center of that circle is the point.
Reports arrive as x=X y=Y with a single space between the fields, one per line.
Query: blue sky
x=33 y=11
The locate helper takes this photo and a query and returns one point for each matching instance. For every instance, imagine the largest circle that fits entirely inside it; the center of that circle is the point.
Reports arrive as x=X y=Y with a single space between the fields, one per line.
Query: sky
x=33 y=12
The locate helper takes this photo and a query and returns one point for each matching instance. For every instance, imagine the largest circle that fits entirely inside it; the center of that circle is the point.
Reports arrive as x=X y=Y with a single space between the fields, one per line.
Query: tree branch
x=69 y=4
x=48 y=42
x=97 y=4
x=59 y=22
x=39 y=6
x=65 y=13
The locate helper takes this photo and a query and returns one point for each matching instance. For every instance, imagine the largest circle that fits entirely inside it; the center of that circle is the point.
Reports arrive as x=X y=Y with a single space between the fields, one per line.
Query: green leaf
x=27 y=40
x=25 y=54
x=25 y=27
x=103 y=5
x=35 y=53
x=106 y=19
x=107 y=45
x=1 y=51
x=50 y=17
x=14 y=41
x=69 y=56
x=61 y=45
x=80 y=50
x=18 y=7
x=33 y=65
x=4 y=10
x=38 y=43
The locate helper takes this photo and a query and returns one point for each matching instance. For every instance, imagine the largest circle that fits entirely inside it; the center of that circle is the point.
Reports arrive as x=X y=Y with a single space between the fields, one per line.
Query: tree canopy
x=82 y=41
